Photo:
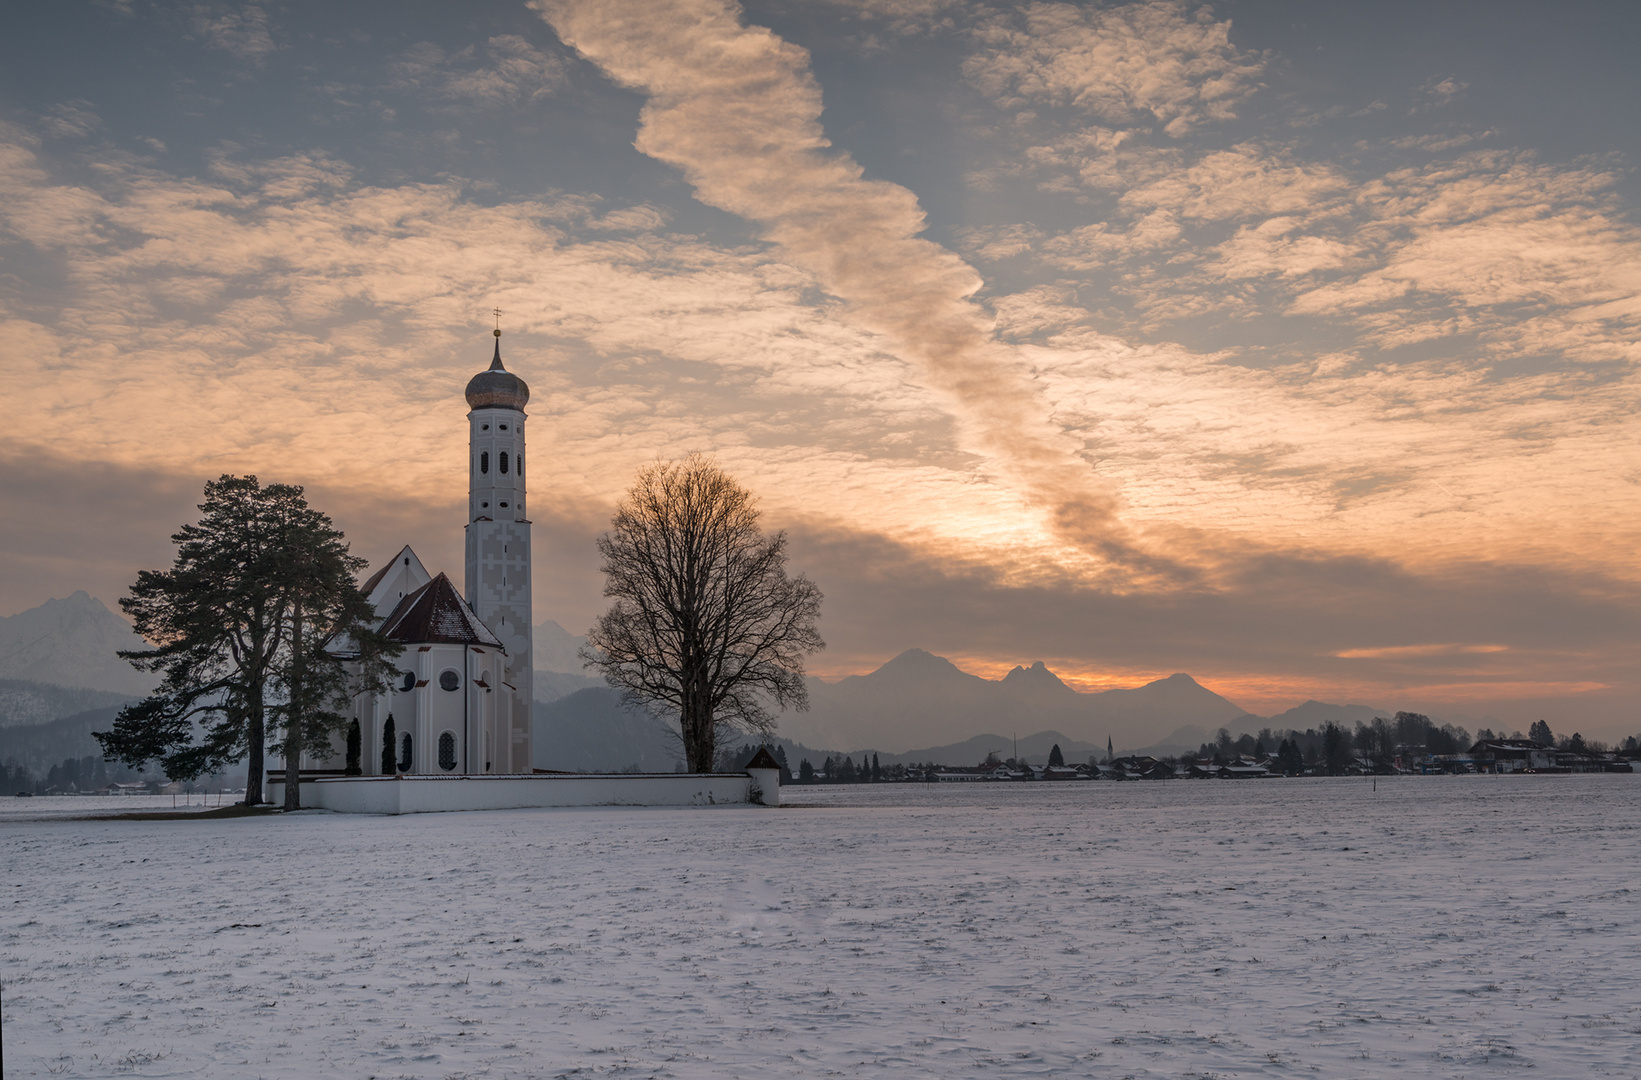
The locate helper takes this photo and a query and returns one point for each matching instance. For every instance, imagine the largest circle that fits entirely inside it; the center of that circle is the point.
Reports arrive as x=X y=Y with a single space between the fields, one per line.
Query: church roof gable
x=436 y=614
x=401 y=576
x=375 y=579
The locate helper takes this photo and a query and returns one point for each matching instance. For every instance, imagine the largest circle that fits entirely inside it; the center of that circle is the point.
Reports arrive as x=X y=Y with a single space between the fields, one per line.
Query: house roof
x=435 y=614
x=763 y=759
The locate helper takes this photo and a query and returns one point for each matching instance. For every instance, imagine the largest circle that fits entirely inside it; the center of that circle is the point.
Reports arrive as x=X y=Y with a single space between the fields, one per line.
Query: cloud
x=1397 y=652
x=245 y=32
x=71 y=120
x=1121 y=64
x=513 y=70
x=1437 y=92
x=1536 y=258
x=1246 y=181
x=1491 y=246
x=280 y=179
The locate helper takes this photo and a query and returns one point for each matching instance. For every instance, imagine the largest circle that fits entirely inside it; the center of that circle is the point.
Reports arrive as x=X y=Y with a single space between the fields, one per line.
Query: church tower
x=498 y=552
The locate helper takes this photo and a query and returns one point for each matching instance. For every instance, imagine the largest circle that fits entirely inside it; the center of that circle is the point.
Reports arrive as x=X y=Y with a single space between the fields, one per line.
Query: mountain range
x=922 y=700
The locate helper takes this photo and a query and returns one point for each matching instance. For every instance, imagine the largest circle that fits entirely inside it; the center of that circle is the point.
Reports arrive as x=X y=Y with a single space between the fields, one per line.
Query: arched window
x=519 y=465
x=484 y=461
x=504 y=463
x=447 y=751
x=404 y=753
x=449 y=680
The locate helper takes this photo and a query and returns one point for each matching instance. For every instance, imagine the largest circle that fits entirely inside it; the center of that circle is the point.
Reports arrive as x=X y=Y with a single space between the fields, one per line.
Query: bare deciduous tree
x=705 y=619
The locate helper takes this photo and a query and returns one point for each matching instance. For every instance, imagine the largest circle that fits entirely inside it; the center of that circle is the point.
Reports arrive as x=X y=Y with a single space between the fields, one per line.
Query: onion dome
x=497 y=388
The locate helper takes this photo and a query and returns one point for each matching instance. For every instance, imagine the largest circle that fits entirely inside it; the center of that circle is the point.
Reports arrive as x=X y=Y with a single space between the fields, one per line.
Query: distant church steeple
x=498 y=548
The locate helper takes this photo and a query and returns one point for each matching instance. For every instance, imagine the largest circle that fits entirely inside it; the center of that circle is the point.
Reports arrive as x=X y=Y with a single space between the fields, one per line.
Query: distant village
x=1408 y=744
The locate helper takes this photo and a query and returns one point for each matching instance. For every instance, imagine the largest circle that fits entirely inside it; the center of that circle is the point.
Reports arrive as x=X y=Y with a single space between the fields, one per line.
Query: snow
x=67 y=806
x=1436 y=926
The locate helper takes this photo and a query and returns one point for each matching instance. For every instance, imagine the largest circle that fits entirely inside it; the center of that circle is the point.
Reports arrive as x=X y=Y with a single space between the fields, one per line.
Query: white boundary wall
x=434 y=794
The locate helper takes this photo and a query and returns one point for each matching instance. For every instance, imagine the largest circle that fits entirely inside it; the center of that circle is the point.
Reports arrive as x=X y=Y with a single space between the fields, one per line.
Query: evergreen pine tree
x=390 y=738
x=1335 y=749
x=352 y=766
x=1056 y=758
x=239 y=625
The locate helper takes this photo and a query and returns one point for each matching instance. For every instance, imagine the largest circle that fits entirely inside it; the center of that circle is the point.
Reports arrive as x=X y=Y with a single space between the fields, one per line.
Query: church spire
x=496 y=387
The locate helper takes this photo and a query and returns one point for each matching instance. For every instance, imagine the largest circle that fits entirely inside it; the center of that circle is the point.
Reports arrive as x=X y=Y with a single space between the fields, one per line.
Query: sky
x=1291 y=346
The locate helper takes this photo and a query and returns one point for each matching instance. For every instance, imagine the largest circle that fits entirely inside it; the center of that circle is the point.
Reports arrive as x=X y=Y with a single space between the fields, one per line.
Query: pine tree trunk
x=293 y=718
x=254 y=735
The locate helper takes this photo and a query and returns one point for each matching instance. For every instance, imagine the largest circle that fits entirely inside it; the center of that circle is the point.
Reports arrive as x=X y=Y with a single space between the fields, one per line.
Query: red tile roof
x=436 y=614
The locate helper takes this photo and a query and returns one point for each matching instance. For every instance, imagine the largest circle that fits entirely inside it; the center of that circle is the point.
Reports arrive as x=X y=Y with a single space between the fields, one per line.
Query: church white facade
x=460 y=704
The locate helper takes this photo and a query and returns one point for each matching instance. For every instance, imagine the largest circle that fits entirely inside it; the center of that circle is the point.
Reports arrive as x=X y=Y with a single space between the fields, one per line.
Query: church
x=452 y=731
x=460 y=703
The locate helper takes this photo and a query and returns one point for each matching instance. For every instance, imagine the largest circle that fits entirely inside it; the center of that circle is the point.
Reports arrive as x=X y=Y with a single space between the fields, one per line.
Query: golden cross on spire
x=497 y=313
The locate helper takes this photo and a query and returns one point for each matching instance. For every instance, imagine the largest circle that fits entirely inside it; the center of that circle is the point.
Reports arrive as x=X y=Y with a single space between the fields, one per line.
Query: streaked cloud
x=737 y=110
x=1397 y=652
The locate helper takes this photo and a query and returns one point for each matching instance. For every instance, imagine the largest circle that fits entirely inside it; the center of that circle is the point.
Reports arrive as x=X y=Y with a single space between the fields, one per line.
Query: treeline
x=843 y=770
x=1334 y=748
x=79 y=775
x=69 y=776
x=834 y=769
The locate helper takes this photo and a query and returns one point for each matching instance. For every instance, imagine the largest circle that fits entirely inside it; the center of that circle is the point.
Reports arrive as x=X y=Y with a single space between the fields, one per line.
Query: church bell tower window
x=504 y=463
x=484 y=461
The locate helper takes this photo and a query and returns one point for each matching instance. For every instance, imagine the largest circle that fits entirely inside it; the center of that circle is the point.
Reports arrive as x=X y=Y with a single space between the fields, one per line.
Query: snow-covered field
x=63 y=806
x=1438 y=926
